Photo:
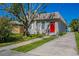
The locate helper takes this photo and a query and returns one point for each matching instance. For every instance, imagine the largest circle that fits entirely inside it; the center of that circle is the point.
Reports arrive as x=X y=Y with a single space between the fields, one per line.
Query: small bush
x=16 y=36
x=33 y=36
x=37 y=35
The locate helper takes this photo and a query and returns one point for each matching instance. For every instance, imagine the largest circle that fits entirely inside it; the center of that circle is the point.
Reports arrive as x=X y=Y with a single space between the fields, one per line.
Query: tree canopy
x=25 y=13
x=74 y=25
x=5 y=28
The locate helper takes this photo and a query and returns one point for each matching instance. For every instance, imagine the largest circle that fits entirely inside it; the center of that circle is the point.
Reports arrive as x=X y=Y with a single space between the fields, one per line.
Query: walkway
x=62 y=46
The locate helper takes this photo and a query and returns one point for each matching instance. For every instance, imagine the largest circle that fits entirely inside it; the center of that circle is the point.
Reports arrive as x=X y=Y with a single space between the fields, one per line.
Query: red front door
x=52 y=27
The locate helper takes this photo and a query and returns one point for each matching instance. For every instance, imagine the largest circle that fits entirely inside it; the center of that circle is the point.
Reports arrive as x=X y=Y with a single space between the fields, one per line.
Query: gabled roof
x=47 y=16
x=15 y=23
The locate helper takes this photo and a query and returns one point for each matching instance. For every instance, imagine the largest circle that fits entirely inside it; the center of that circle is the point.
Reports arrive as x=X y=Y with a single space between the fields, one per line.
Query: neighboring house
x=47 y=23
x=17 y=27
x=69 y=29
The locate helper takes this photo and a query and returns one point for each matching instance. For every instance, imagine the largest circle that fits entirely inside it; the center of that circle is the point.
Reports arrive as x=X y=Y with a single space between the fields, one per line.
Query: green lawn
x=17 y=38
x=62 y=33
x=33 y=45
x=77 y=40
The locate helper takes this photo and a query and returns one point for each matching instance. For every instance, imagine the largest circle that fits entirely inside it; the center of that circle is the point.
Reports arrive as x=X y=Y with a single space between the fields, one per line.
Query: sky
x=68 y=11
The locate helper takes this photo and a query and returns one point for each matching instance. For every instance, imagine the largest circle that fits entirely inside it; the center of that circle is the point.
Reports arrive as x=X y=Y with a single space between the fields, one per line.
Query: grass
x=77 y=40
x=62 y=33
x=17 y=38
x=33 y=45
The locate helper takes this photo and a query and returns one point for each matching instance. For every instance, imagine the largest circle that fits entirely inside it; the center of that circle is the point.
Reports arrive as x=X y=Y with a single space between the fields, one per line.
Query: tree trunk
x=26 y=32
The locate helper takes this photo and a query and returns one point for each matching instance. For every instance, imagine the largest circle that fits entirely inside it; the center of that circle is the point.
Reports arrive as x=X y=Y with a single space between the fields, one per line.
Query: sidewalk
x=20 y=44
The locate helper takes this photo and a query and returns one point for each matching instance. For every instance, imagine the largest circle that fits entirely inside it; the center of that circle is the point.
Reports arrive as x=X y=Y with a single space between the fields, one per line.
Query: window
x=43 y=25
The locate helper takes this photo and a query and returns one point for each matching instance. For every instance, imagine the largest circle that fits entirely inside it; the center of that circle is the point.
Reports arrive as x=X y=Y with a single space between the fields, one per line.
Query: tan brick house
x=17 y=27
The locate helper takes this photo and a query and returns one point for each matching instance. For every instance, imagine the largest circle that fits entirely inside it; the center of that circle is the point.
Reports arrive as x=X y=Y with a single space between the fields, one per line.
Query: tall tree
x=25 y=13
x=5 y=28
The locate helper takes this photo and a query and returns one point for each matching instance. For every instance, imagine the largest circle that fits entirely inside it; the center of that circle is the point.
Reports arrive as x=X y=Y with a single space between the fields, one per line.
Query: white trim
x=40 y=27
x=56 y=28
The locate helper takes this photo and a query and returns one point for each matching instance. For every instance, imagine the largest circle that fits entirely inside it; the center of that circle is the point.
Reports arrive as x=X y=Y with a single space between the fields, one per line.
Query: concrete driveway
x=62 y=46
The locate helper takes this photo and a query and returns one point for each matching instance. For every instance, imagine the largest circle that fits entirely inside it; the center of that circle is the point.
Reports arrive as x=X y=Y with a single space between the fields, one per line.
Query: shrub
x=12 y=37
x=15 y=37
x=37 y=35
x=33 y=36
